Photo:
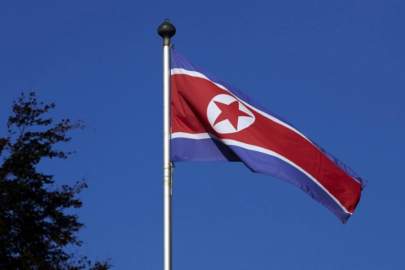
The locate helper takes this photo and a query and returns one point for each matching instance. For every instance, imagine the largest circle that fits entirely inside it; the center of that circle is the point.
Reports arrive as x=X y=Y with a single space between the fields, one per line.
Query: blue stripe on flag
x=184 y=149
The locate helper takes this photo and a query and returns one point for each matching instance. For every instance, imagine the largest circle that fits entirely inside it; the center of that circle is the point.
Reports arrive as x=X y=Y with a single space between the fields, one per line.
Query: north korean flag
x=210 y=121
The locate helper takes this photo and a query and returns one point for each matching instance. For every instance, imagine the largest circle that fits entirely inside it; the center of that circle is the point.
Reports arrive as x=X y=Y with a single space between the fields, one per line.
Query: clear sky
x=335 y=69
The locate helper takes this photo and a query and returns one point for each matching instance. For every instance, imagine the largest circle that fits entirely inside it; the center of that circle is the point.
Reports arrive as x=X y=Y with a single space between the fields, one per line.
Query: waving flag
x=210 y=121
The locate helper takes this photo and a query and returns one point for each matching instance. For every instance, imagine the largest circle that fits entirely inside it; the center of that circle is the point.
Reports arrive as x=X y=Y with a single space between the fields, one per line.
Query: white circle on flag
x=226 y=114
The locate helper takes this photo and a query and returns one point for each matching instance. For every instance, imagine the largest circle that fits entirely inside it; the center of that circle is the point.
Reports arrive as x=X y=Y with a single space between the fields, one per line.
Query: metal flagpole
x=167 y=30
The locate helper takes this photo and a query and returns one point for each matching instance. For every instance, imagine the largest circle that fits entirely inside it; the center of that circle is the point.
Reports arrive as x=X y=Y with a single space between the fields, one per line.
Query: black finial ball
x=166 y=29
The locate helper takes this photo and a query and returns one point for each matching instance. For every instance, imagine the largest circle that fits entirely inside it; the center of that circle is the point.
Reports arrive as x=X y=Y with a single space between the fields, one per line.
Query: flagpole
x=167 y=30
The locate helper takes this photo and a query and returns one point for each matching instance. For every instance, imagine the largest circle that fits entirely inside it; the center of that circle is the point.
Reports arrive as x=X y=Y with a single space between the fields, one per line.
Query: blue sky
x=335 y=69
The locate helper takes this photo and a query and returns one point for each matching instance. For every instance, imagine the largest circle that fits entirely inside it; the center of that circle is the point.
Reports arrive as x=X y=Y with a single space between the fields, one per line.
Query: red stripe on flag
x=190 y=98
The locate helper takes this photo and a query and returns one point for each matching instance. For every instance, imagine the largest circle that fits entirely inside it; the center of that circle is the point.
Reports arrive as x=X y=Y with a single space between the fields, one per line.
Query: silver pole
x=166 y=30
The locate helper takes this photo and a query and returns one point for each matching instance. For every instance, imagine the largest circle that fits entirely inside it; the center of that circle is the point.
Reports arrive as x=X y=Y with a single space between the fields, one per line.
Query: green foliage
x=35 y=229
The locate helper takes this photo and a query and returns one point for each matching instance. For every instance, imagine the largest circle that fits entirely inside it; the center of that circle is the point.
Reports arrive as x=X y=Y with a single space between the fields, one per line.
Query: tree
x=35 y=229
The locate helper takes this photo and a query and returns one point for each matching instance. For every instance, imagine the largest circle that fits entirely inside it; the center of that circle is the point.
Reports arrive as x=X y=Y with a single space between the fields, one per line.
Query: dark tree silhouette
x=35 y=229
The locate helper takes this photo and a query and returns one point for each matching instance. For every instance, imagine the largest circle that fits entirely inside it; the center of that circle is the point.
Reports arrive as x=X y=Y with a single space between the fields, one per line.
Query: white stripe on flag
x=182 y=71
x=229 y=142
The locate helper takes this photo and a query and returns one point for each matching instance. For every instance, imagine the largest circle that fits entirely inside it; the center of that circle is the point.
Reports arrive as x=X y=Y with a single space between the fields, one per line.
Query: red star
x=230 y=112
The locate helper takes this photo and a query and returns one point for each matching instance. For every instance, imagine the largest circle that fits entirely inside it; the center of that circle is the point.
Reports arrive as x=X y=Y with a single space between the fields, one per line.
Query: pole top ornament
x=166 y=29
